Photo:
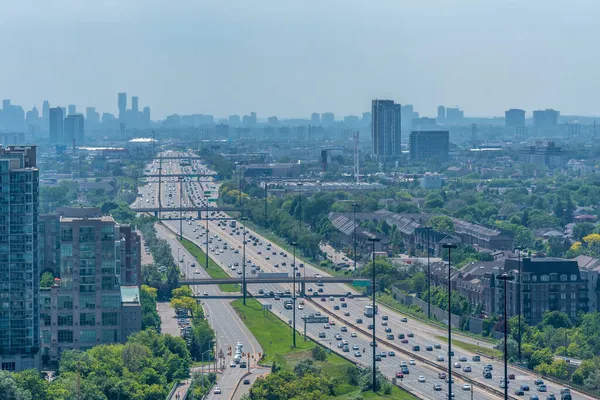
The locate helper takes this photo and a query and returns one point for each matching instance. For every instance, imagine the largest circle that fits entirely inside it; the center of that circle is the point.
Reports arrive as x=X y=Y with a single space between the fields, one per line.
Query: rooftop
x=130 y=294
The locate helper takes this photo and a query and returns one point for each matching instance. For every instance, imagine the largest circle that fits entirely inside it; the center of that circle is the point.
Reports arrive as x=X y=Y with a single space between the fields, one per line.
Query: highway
x=423 y=334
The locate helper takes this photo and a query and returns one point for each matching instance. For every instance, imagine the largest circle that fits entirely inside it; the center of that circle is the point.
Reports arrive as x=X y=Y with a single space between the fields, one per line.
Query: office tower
x=272 y=120
x=327 y=118
x=45 y=114
x=122 y=104
x=427 y=144
x=56 y=125
x=72 y=109
x=32 y=117
x=253 y=119
x=134 y=103
x=366 y=118
x=386 y=129
x=146 y=114
x=547 y=118
x=407 y=116
x=73 y=130
x=234 y=120
x=92 y=117
x=514 y=117
x=96 y=298
x=454 y=114
x=315 y=118
x=441 y=114
x=19 y=264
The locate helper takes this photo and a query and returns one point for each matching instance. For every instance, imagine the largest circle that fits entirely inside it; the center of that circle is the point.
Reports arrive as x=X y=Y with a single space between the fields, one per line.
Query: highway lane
x=424 y=334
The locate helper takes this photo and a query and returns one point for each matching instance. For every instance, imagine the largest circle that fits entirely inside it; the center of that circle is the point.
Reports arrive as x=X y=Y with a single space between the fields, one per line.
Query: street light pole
x=300 y=200
x=520 y=277
x=374 y=240
x=206 y=255
x=294 y=244
x=244 y=219
x=266 y=196
x=354 y=207
x=449 y=246
x=505 y=277
x=180 y=208
x=428 y=230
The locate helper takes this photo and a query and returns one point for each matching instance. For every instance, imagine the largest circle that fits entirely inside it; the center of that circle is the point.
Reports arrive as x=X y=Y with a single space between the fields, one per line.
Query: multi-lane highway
x=428 y=365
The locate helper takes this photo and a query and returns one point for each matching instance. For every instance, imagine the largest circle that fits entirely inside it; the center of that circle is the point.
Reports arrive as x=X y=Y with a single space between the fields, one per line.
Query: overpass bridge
x=157 y=210
x=182 y=175
x=234 y=296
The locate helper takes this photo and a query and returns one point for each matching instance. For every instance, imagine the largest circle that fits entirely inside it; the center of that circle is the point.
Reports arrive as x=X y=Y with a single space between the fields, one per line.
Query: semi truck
x=232 y=224
x=370 y=310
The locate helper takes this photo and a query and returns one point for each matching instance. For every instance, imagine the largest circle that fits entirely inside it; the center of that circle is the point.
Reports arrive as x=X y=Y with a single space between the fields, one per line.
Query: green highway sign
x=212 y=200
x=361 y=283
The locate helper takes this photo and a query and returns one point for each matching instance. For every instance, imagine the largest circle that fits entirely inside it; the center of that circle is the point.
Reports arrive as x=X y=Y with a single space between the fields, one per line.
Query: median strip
x=213 y=269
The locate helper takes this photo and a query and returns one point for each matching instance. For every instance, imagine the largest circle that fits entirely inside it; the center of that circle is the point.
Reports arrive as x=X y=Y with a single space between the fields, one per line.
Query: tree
x=524 y=237
x=306 y=366
x=556 y=319
x=582 y=229
x=442 y=223
x=47 y=280
x=9 y=388
x=32 y=381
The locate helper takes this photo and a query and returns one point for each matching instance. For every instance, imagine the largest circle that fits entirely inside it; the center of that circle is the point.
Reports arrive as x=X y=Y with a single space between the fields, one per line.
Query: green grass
x=213 y=269
x=473 y=348
x=276 y=342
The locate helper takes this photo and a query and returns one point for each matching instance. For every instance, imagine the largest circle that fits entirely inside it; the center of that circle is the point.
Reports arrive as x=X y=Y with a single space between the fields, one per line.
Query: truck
x=232 y=224
x=370 y=310
x=288 y=304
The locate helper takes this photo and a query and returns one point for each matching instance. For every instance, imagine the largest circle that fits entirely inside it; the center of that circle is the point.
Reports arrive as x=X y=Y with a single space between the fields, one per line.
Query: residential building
x=72 y=109
x=122 y=101
x=315 y=118
x=386 y=129
x=56 y=125
x=73 y=129
x=514 y=118
x=432 y=181
x=441 y=113
x=134 y=104
x=327 y=118
x=19 y=259
x=454 y=114
x=548 y=155
x=95 y=298
x=545 y=119
x=426 y=144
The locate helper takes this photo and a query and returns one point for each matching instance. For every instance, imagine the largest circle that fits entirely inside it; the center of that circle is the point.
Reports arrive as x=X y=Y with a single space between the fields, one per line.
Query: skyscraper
x=56 y=125
x=73 y=129
x=441 y=114
x=134 y=103
x=547 y=118
x=386 y=129
x=72 y=109
x=315 y=118
x=122 y=104
x=327 y=118
x=514 y=117
x=426 y=144
x=45 y=114
x=19 y=287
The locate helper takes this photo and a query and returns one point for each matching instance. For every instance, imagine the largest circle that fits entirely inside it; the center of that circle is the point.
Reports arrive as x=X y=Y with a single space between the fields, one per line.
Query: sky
x=293 y=57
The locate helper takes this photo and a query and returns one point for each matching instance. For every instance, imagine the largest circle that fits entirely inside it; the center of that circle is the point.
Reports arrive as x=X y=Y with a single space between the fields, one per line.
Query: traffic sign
x=356 y=283
x=212 y=200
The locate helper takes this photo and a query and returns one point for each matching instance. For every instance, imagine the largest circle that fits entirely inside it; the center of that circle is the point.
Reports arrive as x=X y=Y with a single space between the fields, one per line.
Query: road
x=424 y=334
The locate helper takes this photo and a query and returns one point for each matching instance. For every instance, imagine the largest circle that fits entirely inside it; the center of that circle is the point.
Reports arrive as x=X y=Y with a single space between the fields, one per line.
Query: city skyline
x=224 y=60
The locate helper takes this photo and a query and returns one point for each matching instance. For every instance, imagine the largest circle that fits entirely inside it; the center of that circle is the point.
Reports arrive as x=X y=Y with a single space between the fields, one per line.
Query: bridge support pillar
x=199 y=215
x=156 y=214
x=302 y=289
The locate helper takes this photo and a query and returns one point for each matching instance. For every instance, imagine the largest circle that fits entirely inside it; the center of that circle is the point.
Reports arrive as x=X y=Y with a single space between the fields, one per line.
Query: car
x=511 y=376
x=476 y=358
x=440 y=358
x=377 y=357
x=442 y=375
x=346 y=314
x=323 y=299
x=467 y=368
x=403 y=319
x=322 y=335
x=437 y=387
x=421 y=378
x=538 y=382
x=404 y=341
x=457 y=365
x=552 y=397
x=217 y=390
x=429 y=348
x=412 y=362
x=525 y=388
x=462 y=359
x=416 y=348
x=246 y=381
x=326 y=326
x=401 y=336
x=519 y=392
x=489 y=366
x=388 y=330
x=466 y=387
x=391 y=354
x=232 y=364
x=390 y=336
x=344 y=329
x=437 y=346
x=410 y=334
x=399 y=374
x=371 y=327
x=542 y=388
x=355 y=347
x=384 y=317
x=534 y=397
x=336 y=308
x=205 y=293
x=338 y=337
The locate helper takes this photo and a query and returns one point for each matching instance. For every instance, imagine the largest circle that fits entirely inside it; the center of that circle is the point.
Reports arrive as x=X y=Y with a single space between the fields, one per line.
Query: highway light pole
x=374 y=240
x=244 y=219
x=206 y=255
x=354 y=207
x=294 y=297
x=449 y=246
x=180 y=207
x=300 y=201
x=518 y=249
x=505 y=277
x=428 y=230
x=266 y=196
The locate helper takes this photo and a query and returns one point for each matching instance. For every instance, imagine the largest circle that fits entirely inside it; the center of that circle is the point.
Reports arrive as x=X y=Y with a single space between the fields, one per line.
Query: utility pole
x=266 y=196
x=354 y=207
x=294 y=244
x=519 y=249
x=449 y=246
x=428 y=230
x=300 y=202
x=180 y=207
x=505 y=277
x=206 y=252
x=374 y=240
x=244 y=219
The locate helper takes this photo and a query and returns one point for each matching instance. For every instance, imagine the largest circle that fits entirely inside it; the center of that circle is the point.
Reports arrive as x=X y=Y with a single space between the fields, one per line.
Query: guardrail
x=173 y=389
x=471 y=381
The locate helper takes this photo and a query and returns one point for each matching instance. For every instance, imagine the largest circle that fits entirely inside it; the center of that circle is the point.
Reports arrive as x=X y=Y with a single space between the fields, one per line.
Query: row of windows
x=85 y=336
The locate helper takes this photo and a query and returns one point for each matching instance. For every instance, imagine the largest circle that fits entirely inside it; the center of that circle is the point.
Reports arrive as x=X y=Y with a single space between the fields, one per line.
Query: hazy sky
x=293 y=57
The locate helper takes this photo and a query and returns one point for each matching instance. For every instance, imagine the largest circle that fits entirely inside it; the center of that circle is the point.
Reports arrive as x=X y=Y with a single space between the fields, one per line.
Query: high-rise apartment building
x=56 y=125
x=73 y=130
x=122 y=99
x=134 y=104
x=545 y=119
x=95 y=298
x=386 y=129
x=19 y=264
x=425 y=145
x=441 y=114
x=328 y=118
x=514 y=117
x=315 y=118
x=454 y=114
x=72 y=109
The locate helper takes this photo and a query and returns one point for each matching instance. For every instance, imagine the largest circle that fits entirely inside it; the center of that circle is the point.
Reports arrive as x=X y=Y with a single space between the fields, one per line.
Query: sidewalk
x=146 y=258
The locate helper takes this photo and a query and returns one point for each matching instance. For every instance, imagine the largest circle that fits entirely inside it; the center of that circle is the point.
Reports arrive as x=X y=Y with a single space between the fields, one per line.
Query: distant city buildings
x=441 y=114
x=386 y=129
x=56 y=125
x=327 y=118
x=514 y=118
x=545 y=119
x=542 y=154
x=19 y=263
x=315 y=118
x=454 y=115
x=73 y=129
x=426 y=144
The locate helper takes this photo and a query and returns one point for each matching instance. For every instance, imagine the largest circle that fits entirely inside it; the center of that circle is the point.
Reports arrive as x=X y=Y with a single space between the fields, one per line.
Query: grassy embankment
x=213 y=269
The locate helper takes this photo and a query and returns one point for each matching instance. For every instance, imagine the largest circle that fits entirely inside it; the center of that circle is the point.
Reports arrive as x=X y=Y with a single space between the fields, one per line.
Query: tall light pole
x=300 y=200
x=449 y=246
x=505 y=277
x=266 y=196
x=354 y=207
x=374 y=240
x=294 y=244
x=428 y=230
x=206 y=253
x=180 y=207
x=518 y=249
x=244 y=219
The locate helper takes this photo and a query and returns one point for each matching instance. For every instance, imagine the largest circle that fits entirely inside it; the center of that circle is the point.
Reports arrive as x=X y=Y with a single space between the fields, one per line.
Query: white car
x=466 y=387
x=421 y=378
x=353 y=334
x=232 y=364
x=217 y=390
x=412 y=362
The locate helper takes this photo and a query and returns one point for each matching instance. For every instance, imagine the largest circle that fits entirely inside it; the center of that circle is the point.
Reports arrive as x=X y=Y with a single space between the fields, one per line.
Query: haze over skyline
x=293 y=58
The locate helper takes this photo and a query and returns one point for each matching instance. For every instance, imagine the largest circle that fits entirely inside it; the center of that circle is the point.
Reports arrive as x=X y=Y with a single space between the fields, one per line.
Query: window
x=66 y=234
x=111 y=301
x=65 y=320
x=544 y=278
x=46 y=336
x=45 y=302
x=574 y=277
x=65 y=302
x=563 y=296
x=87 y=336
x=87 y=319
x=108 y=233
x=86 y=234
x=573 y=295
x=109 y=335
x=8 y=366
x=108 y=282
x=66 y=250
x=534 y=278
x=65 y=336
x=563 y=278
x=110 y=318
x=108 y=266
x=87 y=301
x=46 y=319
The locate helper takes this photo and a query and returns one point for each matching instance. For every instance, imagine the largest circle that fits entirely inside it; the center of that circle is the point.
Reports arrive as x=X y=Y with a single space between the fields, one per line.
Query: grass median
x=473 y=348
x=276 y=342
x=213 y=269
